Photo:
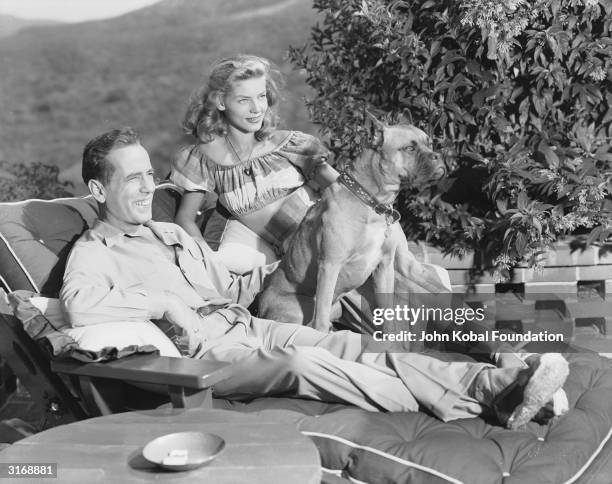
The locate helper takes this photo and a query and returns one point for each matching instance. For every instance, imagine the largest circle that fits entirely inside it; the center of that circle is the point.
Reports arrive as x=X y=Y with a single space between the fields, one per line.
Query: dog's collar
x=362 y=194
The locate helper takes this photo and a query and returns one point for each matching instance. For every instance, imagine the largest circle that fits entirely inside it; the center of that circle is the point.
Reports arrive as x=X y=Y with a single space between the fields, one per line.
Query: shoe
x=555 y=407
x=530 y=394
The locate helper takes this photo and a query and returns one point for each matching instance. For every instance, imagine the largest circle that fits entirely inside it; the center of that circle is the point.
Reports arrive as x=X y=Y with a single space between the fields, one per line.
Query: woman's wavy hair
x=203 y=120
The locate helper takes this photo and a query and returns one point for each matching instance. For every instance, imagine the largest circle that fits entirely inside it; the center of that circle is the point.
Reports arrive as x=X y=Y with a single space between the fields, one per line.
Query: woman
x=259 y=173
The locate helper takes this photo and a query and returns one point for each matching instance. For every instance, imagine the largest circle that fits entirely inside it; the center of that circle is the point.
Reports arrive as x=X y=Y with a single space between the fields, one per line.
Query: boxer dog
x=346 y=236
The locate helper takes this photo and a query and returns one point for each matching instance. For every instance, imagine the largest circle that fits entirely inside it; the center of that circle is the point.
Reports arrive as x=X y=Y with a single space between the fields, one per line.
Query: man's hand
x=172 y=308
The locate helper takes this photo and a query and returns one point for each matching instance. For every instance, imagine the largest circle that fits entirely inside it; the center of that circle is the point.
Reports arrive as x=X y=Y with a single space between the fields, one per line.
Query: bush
x=22 y=181
x=516 y=94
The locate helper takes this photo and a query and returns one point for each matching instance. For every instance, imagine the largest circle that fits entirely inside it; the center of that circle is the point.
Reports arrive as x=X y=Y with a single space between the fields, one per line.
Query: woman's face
x=245 y=104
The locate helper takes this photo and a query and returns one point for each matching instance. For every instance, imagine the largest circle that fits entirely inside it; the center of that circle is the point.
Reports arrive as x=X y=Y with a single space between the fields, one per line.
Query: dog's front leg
x=383 y=279
x=327 y=277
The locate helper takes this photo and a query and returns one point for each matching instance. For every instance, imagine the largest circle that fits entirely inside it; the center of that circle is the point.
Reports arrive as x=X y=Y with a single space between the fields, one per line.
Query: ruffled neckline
x=274 y=150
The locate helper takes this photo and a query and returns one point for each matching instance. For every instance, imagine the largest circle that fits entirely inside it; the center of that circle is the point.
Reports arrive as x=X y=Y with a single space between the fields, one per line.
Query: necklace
x=229 y=142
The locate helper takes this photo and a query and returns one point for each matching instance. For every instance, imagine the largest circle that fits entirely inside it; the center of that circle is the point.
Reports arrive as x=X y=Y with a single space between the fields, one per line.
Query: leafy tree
x=22 y=181
x=516 y=94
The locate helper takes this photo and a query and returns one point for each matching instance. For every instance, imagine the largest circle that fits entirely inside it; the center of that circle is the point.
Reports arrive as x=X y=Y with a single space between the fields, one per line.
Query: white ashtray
x=183 y=451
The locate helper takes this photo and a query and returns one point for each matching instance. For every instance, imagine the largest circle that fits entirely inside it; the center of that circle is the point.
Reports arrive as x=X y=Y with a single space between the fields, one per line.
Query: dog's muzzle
x=432 y=167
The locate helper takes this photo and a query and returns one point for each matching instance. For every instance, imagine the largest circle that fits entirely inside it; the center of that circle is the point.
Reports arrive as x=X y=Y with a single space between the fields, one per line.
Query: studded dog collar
x=362 y=194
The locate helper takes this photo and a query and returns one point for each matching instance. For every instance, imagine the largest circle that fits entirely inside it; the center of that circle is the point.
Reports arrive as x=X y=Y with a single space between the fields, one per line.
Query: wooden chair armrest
x=187 y=382
x=150 y=368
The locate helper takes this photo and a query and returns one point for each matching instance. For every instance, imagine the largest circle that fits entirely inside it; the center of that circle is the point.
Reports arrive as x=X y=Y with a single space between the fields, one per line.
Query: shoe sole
x=548 y=377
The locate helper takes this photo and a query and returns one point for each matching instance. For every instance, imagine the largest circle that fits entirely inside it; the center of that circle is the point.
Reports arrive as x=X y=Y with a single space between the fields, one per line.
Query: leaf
x=557 y=211
x=608 y=117
x=535 y=121
x=522 y=200
x=521 y=243
x=537 y=225
x=539 y=105
x=502 y=205
x=474 y=156
x=434 y=48
x=551 y=157
x=451 y=57
x=603 y=154
x=594 y=235
x=554 y=46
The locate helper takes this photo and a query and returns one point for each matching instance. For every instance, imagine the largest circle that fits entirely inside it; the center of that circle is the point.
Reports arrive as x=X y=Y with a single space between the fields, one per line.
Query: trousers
x=277 y=359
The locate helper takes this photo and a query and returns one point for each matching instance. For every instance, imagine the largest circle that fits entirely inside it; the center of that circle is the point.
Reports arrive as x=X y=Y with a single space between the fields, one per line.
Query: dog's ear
x=369 y=116
x=405 y=117
x=376 y=129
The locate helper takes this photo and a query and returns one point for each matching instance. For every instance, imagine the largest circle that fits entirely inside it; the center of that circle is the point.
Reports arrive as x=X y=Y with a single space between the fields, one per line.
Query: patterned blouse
x=252 y=184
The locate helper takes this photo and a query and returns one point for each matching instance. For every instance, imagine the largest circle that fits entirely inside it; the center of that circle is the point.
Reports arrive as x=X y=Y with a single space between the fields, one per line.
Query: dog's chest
x=366 y=253
x=358 y=233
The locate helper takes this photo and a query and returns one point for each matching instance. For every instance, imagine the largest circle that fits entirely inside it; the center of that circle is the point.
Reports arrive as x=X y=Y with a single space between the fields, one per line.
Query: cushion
x=96 y=337
x=415 y=448
x=121 y=335
x=45 y=322
x=35 y=239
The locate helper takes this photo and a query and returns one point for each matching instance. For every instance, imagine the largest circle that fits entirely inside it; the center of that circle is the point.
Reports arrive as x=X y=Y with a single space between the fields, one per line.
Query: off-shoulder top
x=252 y=184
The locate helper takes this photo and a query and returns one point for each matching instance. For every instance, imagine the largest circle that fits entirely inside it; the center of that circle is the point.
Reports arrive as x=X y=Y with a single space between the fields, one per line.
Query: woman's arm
x=188 y=211
x=323 y=174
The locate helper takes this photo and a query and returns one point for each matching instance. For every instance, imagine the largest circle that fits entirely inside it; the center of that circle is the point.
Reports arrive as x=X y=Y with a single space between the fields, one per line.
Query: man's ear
x=97 y=190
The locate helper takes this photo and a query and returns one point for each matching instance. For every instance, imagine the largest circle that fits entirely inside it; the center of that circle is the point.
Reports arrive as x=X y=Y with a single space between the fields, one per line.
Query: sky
x=70 y=10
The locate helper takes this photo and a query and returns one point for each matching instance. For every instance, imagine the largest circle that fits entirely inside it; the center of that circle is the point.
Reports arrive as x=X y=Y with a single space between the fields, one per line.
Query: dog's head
x=406 y=156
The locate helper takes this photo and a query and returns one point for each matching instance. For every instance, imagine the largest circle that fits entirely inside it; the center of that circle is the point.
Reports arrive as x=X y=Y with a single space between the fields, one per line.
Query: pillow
x=51 y=309
x=44 y=321
x=96 y=337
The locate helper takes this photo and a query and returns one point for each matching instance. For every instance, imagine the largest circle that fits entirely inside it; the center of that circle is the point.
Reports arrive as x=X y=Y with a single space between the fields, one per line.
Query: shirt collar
x=112 y=235
x=167 y=233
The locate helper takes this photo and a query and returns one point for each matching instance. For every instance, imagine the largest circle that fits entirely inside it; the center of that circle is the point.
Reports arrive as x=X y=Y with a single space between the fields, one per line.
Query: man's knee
x=301 y=360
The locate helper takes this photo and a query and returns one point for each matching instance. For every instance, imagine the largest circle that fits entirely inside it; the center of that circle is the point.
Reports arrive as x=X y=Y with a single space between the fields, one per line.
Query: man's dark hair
x=95 y=166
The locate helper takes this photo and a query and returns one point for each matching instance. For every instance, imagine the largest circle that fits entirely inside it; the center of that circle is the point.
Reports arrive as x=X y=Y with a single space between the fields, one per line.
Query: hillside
x=10 y=25
x=64 y=84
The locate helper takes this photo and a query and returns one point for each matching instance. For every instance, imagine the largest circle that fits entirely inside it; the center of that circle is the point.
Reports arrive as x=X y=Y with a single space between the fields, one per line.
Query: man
x=130 y=268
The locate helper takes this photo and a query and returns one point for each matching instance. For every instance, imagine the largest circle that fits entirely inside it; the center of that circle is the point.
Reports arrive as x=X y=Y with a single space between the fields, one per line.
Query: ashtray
x=183 y=451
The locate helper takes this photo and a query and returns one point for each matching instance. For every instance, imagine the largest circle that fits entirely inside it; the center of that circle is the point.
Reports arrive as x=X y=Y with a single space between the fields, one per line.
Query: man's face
x=127 y=196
